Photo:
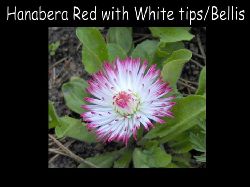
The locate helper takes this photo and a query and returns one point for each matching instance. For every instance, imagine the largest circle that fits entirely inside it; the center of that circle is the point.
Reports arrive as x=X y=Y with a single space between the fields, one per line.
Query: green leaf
x=187 y=112
x=74 y=92
x=201 y=158
x=140 y=159
x=202 y=125
x=124 y=160
x=74 y=128
x=170 y=47
x=145 y=50
x=150 y=157
x=151 y=144
x=181 y=54
x=181 y=143
x=53 y=118
x=171 y=34
x=172 y=69
x=115 y=51
x=202 y=82
x=172 y=165
x=164 y=51
x=53 y=47
x=183 y=147
x=121 y=36
x=104 y=160
x=187 y=28
x=94 y=51
x=198 y=141
x=182 y=160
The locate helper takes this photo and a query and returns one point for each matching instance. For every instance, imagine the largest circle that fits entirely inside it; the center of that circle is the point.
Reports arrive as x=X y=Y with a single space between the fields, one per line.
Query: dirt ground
x=67 y=63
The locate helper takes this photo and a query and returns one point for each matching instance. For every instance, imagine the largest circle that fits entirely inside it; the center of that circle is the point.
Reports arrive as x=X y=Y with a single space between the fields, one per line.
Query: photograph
x=127 y=97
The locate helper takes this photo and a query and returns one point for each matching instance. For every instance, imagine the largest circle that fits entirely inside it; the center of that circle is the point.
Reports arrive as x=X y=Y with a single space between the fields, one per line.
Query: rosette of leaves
x=167 y=145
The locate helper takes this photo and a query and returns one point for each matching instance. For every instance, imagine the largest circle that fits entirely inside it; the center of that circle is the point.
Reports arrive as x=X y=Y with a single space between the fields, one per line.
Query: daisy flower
x=126 y=95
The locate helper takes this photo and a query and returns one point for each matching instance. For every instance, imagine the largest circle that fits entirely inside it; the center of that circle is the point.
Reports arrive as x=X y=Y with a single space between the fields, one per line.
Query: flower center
x=126 y=103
